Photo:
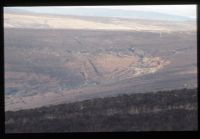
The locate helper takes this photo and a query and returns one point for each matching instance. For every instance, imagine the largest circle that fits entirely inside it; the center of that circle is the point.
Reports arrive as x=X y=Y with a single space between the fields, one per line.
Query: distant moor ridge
x=46 y=21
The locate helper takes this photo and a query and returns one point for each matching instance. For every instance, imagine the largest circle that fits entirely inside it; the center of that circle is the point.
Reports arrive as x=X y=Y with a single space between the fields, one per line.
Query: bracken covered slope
x=174 y=110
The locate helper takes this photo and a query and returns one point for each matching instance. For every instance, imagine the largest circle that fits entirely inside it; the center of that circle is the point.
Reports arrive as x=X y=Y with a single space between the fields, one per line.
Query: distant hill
x=22 y=19
x=104 y=12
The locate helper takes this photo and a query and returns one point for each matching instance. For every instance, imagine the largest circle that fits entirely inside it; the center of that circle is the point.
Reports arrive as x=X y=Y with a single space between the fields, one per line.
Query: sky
x=181 y=10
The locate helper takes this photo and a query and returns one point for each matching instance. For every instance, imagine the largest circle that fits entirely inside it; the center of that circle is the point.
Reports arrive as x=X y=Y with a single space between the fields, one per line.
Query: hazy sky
x=182 y=10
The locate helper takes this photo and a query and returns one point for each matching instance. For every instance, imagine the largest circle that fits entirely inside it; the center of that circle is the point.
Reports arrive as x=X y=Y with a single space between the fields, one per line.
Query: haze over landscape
x=62 y=55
